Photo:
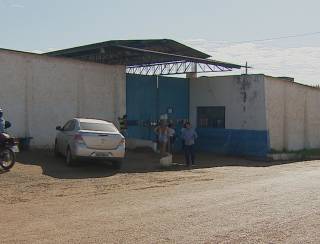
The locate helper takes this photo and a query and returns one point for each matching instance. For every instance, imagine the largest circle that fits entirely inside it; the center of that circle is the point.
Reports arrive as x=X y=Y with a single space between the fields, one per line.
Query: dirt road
x=43 y=201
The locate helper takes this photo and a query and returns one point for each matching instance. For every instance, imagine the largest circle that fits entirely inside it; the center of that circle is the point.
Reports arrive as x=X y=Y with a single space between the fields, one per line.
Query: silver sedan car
x=90 y=138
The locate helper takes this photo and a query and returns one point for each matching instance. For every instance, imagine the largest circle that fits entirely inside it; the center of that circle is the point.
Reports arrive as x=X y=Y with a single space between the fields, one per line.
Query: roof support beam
x=173 y=68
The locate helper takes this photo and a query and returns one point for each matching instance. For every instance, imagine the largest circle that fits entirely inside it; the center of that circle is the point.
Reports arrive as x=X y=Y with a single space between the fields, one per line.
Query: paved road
x=41 y=201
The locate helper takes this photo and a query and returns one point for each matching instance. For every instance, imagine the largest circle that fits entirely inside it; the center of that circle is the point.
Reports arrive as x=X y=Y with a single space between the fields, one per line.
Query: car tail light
x=122 y=142
x=78 y=139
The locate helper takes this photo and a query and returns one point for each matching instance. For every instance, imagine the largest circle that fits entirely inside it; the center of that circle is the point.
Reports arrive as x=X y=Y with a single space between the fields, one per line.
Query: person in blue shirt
x=189 y=135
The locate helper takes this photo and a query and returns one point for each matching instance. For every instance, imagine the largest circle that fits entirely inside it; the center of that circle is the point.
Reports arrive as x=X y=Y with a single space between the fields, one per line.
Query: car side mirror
x=7 y=125
x=59 y=128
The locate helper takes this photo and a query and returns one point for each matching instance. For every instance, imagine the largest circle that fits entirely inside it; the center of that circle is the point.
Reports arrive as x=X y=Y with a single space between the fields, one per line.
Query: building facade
x=249 y=115
x=229 y=113
x=254 y=114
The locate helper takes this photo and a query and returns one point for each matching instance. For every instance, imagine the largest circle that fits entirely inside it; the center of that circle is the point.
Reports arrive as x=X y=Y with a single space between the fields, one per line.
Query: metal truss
x=172 y=68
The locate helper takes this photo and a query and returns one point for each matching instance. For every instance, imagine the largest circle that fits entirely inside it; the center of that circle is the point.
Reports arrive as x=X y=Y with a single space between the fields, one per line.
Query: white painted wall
x=243 y=97
x=293 y=116
x=288 y=110
x=38 y=93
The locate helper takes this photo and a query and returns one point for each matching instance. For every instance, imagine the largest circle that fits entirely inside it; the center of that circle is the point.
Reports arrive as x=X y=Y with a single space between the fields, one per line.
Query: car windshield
x=98 y=127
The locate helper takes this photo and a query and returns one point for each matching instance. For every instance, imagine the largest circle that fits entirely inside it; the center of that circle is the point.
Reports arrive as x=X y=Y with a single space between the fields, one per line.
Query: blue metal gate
x=148 y=97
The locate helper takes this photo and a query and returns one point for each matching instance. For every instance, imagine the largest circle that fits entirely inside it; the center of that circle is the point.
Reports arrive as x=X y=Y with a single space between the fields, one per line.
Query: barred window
x=211 y=117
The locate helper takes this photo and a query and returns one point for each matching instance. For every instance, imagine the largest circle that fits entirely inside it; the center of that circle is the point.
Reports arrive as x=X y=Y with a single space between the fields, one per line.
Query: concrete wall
x=38 y=92
x=293 y=116
x=242 y=96
x=245 y=130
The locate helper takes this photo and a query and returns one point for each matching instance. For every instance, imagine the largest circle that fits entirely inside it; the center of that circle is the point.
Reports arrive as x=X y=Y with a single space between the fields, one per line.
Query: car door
x=65 y=135
x=69 y=134
x=60 y=138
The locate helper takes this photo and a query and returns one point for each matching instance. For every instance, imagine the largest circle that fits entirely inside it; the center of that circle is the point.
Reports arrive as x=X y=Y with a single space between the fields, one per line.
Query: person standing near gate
x=163 y=137
x=189 y=135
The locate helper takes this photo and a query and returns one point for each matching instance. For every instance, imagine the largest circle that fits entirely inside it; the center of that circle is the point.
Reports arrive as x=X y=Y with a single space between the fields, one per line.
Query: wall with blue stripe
x=147 y=98
x=233 y=142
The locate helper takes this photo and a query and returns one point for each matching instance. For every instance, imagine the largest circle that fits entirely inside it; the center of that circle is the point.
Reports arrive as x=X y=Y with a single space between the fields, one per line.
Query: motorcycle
x=8 y=148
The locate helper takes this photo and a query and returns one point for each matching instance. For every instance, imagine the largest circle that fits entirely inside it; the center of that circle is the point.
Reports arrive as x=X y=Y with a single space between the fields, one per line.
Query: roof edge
x=110 y=43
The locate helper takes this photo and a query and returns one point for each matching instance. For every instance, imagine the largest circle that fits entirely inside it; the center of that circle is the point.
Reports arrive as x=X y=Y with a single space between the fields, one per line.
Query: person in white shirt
x=163 y=137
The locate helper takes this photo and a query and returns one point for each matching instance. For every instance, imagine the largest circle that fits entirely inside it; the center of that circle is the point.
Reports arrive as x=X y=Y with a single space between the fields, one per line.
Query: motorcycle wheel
x=7 y=159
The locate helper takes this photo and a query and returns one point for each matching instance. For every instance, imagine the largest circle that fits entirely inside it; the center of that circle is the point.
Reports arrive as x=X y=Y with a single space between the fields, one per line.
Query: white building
x=260 y=114
x=239 y=115
x=37 y=93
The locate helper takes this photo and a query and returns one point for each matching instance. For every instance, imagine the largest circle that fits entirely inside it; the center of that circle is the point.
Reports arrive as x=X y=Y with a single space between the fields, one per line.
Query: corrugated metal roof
x=161 y=45
x=139 y=52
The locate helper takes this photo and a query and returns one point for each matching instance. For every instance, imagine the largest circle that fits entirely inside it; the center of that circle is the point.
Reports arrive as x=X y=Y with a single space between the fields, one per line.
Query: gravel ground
x=222 y=200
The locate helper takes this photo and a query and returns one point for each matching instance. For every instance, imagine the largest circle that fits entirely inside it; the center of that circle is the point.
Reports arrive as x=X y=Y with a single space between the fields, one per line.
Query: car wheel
x=117 y=164
x=56 y=150
x=69 y=158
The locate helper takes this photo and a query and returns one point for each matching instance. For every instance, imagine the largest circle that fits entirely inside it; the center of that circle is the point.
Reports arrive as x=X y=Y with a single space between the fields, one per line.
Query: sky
x=275 y=37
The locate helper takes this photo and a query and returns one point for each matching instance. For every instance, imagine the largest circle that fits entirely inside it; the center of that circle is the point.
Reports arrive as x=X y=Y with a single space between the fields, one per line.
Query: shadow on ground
x=2 y=171
x=135 y=162
x=57 y=168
